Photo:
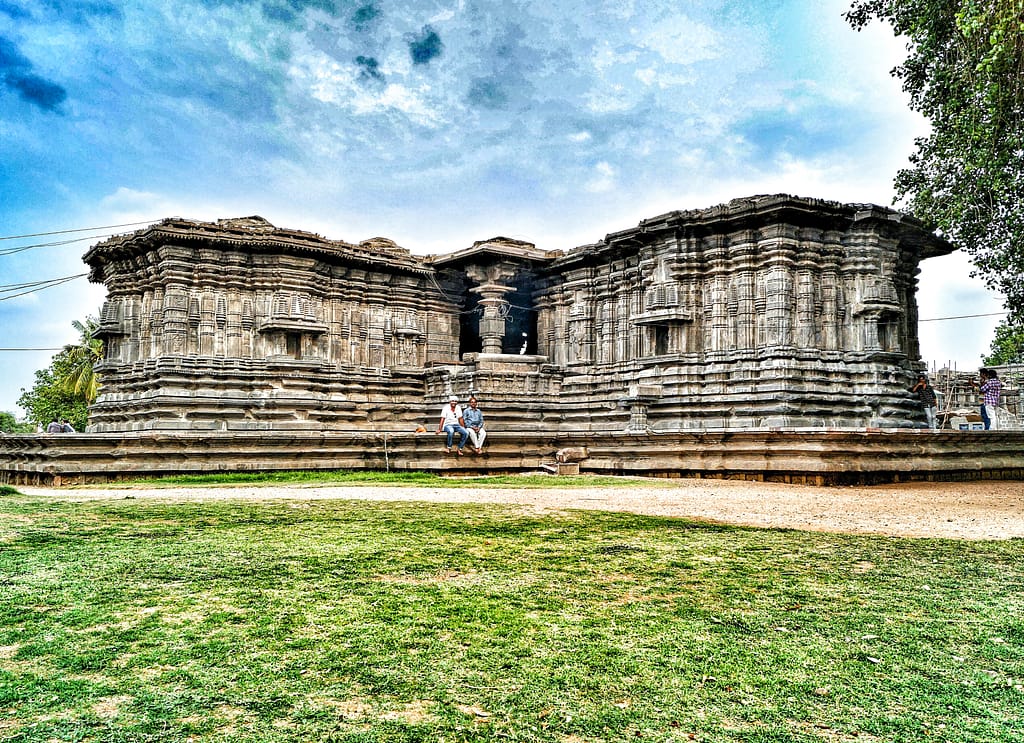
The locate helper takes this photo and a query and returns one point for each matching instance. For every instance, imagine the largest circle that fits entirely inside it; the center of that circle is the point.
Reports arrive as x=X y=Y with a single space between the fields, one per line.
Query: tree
x=68 y=385
x=80 y=379
x=9 y=424
x=965 y=73
x=1007 y=346
x=49 y=399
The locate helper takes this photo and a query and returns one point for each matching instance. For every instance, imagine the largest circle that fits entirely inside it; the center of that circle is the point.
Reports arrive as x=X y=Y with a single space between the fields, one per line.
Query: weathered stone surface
x=766 y=312
x=797 y=456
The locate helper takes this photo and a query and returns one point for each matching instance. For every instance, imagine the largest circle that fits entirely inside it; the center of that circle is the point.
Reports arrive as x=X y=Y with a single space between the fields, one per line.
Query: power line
x=14 y=287
x=21 y=249
x=963 y=317
x=33 y=349
x=80 y=229
x=38 y=286
x=30 y=284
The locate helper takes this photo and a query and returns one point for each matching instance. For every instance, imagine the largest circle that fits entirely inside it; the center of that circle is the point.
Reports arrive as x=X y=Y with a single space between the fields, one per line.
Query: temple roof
x=254 y=234
x=753 y=212
x=504 y=247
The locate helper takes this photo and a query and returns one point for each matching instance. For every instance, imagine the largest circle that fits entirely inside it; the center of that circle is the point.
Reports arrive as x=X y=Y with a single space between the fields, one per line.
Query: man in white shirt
x=452 y=422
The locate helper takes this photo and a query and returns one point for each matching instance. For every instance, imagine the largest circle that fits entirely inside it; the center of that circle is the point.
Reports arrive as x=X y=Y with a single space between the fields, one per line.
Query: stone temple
x=766 y=312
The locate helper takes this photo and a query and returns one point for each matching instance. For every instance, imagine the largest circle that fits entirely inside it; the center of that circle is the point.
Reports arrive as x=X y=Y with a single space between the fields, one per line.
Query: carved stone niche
x=110 y=320
x=408 y=340
x=292 y=328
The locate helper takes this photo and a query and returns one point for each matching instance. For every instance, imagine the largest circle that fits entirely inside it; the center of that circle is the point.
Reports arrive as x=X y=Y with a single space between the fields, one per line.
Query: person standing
x=474 y=420
x=451 y=423
x=55 y=427
x=926 y=396
x=990 y=389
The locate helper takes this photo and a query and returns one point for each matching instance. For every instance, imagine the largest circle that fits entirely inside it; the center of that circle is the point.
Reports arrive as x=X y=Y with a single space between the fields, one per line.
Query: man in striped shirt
x=926 y=396
x=990 y=389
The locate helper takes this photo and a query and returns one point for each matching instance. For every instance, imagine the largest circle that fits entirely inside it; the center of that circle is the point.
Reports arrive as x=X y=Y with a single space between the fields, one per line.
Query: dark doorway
x=660 y=340
x=469 y=326
x=521 y=322
x=293 y=344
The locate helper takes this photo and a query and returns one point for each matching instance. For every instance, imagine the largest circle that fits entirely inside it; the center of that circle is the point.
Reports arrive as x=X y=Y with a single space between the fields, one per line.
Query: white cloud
x=329 y=82
x=946 y=290
x=679 y=40
x=608 y=55
x=447 y=14
x=326 y=80
x=603 y=180
x=412 y=103
x=646 y=75
x=609 y=99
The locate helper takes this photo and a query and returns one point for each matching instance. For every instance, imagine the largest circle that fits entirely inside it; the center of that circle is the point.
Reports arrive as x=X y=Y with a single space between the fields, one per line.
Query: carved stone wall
x=240 y=325
x=764 y=312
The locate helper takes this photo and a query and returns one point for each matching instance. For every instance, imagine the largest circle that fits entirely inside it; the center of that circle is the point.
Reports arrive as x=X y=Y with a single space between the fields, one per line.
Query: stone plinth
x=798 y=456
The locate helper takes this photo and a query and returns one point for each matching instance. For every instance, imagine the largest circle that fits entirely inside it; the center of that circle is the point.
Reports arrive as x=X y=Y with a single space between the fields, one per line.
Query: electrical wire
x=23 y=248
x=80 y=229
x=963 y=317
x=15 y=287
x=35 y=286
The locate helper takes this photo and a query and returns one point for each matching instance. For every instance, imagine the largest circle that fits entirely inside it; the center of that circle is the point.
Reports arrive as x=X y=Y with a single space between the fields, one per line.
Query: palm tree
x=77 y=377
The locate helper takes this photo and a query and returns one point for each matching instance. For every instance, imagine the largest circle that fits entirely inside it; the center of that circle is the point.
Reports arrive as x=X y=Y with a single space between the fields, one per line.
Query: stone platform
x=803 y=456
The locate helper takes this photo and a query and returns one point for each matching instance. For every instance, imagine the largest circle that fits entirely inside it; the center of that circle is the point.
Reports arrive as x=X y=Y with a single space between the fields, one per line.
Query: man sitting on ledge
x=452 y=422
x=473 y=419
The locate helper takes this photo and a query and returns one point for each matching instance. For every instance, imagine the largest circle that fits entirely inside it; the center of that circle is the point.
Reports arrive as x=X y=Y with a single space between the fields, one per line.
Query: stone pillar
x=746 y=311
x=492 y=322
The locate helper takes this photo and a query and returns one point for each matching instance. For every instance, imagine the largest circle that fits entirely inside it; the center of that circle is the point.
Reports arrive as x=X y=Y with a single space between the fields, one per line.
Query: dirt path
x=971 y=510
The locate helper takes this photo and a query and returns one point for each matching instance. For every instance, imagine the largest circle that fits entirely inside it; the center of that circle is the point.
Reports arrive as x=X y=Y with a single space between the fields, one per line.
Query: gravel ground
x=966 y=510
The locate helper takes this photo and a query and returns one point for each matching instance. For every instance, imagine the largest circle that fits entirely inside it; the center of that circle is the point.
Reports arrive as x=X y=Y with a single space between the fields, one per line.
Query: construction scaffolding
x=958 y=397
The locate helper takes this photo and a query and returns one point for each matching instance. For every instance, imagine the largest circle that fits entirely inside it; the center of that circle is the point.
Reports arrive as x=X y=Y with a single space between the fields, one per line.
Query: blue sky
x=434 y=123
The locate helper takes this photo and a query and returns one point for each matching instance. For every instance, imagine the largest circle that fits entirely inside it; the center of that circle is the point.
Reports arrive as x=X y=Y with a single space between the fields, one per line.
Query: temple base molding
x=813 y=457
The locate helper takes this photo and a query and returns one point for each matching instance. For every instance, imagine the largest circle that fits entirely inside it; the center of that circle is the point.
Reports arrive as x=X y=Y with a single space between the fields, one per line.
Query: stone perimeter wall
x=766 y=312
x=803 y=457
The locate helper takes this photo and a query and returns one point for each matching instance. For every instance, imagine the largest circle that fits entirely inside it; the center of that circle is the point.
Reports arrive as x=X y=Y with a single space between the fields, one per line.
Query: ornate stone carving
x=765 y=311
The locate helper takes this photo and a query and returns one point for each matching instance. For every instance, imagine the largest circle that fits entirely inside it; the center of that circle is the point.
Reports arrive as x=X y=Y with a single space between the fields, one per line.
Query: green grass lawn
x=405 y=478
x=320 y=620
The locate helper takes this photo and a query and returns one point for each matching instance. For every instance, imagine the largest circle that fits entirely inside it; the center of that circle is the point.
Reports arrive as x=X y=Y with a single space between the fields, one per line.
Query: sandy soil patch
x=965 y=510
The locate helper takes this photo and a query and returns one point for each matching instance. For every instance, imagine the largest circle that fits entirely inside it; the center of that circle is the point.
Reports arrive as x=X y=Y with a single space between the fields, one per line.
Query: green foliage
x=79 y=378
x=331 y=620
x=9 y=424
x=49 y=400
x=9 y=490
x=965 y=73
x=1007 y=346
x=67 y=387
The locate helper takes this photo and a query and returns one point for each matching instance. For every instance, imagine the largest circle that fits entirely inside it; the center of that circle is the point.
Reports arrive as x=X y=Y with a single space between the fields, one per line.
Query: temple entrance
x=520 y=318
x=521 y=322
x=469 y=327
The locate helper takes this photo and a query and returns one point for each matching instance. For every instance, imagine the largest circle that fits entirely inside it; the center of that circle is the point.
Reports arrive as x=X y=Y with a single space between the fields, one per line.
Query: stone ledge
x=818 y=457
